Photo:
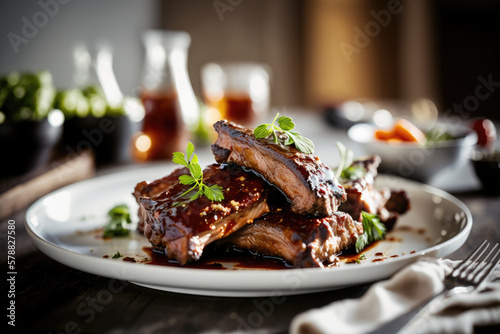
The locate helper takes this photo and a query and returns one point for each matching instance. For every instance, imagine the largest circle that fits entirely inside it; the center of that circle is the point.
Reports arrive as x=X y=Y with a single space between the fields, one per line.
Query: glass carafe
x=171 y=108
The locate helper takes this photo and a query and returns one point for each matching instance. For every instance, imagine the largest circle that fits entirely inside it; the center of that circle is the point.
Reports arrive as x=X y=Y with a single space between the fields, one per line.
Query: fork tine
x=465 y=263
x=485 y=271
x=480 y=264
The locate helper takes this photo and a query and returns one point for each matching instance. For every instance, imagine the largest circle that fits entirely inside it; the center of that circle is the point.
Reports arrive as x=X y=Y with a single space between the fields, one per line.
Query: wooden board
x=19 y=192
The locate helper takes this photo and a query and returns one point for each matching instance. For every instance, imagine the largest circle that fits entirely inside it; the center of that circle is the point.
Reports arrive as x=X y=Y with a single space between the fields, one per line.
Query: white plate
x=437 y=225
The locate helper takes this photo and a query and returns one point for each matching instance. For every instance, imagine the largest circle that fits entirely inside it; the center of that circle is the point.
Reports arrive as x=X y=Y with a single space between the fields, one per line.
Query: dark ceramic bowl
x=487 y=168
x=108 y=137
x=26 y=145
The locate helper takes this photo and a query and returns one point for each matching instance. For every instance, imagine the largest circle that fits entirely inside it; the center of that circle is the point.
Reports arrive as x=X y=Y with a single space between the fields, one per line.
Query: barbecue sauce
x=349 y=255
x=215 y=258
x=180 y=216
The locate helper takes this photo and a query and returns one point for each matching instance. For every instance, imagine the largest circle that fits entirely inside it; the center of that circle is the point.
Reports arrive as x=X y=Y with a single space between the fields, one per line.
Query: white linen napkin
x=409 y=287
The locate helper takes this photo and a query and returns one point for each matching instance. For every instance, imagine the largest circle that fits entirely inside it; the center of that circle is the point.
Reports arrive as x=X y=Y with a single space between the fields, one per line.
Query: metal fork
x=465 y=277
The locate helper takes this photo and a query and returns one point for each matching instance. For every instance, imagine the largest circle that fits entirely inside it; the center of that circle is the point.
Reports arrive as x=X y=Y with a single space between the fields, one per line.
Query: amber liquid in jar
x=163 y=124
x=236 y=107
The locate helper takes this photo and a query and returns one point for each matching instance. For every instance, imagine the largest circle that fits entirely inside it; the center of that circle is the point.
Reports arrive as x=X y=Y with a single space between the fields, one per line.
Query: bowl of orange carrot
x=415 y=152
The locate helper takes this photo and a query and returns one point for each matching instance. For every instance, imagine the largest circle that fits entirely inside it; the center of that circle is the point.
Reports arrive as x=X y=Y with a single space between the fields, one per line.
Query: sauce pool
x=231 y=259
x=216 y=259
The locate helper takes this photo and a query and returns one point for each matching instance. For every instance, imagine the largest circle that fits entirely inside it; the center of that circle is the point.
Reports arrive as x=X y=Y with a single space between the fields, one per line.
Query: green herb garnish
x=346 y=158
x=437 y=134
x=346 y=170
x=119 y=218
x=354 y=172
x=286 y=126
x=190 y=160
x=362 y=257
x=373 y=229
x=117 y=255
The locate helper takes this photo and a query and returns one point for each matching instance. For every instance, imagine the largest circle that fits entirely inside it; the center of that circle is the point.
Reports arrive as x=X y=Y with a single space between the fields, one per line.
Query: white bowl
x=413 y=160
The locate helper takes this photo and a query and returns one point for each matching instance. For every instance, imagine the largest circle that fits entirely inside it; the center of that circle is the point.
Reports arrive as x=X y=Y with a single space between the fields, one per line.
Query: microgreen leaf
x=196 y=171
x=373 y=230
x=217 y=192
x=343 y=164
x=189 y=151
x=186 y=179
x=179 y=159
x=207 y=191
x=354 y=172
x=303 y=144
x=190 y=160
x=262 y=131
x=285 y=125
x=362 y=242
x=289 y=140
x=346 y=170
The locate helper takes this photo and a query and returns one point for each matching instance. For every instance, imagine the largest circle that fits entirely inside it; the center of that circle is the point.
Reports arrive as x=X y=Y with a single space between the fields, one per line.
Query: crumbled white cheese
x=236 y=205
x=220 y=207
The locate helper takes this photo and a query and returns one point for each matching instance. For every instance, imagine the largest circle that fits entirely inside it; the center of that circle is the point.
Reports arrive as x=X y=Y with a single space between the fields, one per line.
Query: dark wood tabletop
x=53 y=298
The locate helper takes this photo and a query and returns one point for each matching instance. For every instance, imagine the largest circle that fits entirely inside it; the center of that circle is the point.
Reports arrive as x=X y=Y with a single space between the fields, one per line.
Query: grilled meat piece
x=309 y=184
x=182 y=228
x=152 y=189
x=362 y=195
x=156 y=187
x=397 y=204
x=303 y=242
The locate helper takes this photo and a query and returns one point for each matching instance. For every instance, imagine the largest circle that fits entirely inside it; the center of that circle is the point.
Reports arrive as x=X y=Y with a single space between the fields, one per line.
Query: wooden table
x=53 y=298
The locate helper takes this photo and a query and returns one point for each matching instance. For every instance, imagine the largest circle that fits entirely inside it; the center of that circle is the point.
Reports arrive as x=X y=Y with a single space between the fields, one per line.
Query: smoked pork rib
x=362 y=195
x=182 y=228
x=303 y=242
x=309 y=184
x=152 y=189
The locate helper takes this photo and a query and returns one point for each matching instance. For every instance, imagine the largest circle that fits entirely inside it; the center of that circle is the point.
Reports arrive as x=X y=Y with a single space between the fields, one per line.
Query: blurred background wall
x=241 y=30
x=321 y=51
x=50 y=47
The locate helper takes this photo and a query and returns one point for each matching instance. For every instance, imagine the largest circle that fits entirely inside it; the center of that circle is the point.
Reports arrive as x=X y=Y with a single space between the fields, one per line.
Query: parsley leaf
x=117 y=255
x=346 y=158
x=362 y=257
x=286 y=123
x=354 y=172
x=119 y=218
x=190 y=160
x=262 y=131
x=373 y=229
x=346 y=170
x=286 y=126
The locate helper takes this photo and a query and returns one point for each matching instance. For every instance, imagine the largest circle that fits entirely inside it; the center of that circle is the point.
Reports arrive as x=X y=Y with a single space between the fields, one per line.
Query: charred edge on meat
x=309 y=184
